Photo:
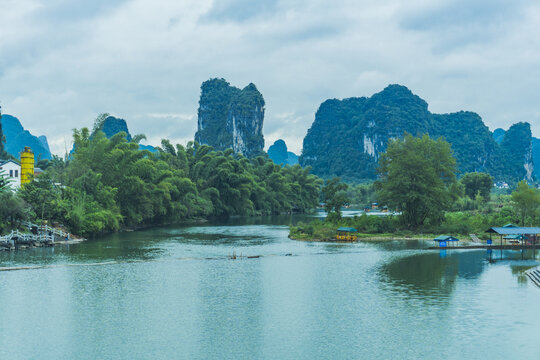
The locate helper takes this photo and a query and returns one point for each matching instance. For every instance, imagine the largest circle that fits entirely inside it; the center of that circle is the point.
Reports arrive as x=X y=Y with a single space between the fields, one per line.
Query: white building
x=12 y=172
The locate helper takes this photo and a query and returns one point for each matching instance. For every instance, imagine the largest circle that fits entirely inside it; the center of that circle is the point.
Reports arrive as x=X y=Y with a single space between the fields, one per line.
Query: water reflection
x=518 y=271
x=428 y=274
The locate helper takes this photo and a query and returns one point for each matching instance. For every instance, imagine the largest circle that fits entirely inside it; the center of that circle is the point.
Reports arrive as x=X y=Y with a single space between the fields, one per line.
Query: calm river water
x=174 y=293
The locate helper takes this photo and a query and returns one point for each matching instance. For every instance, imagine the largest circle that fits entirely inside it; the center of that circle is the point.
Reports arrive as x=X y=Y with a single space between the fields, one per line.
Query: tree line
x=108 y=184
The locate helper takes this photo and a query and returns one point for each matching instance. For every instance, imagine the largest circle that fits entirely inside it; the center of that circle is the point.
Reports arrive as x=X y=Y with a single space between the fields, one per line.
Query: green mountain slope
x=17 y=137
x=231 y=118
x=348 y=136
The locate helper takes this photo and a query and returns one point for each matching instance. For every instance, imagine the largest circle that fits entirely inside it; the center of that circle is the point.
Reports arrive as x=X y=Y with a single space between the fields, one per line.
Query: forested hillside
x=348 y=136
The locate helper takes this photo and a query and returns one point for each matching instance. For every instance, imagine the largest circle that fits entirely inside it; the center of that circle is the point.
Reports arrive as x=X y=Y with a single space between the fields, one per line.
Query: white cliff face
x=238 y=138
x=528 y=165
x=373 y=146
x=369 y=146
x=200 y=124
x=529 y=169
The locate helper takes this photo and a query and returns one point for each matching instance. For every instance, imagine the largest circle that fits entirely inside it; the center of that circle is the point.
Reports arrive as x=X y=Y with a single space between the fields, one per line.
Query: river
x=177 y=293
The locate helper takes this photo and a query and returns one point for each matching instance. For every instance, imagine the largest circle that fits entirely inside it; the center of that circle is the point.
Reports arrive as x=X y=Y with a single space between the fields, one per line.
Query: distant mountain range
x=17 y=138
x=348 y=136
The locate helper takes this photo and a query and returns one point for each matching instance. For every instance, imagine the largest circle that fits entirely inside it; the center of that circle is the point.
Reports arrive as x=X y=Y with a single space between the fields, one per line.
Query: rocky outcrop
x=348 y=136
x=17 y=138
x=230 y=118
x=278 y=154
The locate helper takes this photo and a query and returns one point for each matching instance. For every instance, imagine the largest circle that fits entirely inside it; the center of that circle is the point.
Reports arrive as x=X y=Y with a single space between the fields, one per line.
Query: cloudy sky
x=62 y=62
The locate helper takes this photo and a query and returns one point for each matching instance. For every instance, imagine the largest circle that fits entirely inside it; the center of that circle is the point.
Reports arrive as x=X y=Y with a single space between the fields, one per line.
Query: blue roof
x=445 y=238
x=347 y=229
x=514 y=230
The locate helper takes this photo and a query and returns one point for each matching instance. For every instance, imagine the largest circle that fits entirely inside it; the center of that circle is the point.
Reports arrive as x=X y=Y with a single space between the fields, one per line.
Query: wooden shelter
x=510 y=231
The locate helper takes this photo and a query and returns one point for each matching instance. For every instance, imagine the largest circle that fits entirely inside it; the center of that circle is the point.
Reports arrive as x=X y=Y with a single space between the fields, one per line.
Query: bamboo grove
x=109 y=184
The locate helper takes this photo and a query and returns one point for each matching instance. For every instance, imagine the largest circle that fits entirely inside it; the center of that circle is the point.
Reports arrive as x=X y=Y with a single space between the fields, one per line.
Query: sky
x=63 y=62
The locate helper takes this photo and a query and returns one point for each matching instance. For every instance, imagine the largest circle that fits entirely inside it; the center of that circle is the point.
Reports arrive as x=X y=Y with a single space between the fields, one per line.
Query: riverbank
x=376 y=228
x=37 y=236
x=71 y=241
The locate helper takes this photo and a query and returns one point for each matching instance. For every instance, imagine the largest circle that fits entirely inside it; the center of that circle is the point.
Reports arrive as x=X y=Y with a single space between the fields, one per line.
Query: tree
x=13 y=210
x=477 y=183
x=98 y=123
x=526 y=202
x=4 y=182
x=334 y=197
x=417 y=176
x=43 y=196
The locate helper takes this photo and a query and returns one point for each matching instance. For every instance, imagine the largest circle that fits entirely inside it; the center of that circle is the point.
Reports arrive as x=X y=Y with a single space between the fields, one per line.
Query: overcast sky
x=62 y=62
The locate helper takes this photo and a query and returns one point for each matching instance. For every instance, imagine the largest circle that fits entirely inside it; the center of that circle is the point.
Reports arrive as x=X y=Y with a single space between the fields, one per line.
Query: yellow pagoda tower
x=27 y=166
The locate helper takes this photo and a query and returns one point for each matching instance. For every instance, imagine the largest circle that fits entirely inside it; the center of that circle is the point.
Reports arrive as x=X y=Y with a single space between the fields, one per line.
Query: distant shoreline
x=363 y=238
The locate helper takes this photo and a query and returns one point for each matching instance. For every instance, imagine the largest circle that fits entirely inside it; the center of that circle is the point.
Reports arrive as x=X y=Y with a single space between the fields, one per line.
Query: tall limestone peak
x=231 y=118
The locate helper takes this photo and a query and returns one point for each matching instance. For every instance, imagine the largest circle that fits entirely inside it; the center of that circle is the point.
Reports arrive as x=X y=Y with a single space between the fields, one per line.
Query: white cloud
x=64 y=62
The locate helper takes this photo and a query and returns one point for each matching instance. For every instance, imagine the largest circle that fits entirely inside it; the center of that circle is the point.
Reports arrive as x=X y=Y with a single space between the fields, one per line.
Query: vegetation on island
x=109 y=184
x=418 y=180
x=418 y=177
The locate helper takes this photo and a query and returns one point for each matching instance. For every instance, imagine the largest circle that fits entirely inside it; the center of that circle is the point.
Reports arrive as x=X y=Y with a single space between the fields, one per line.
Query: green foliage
x=99 y=122
x=417 y=176
x=526 y=203
x=362 y=194
x=4 y=182
x=42 y=196
x=108 y=184
x=334 y=197
x=477 y=183
x=13 y=210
